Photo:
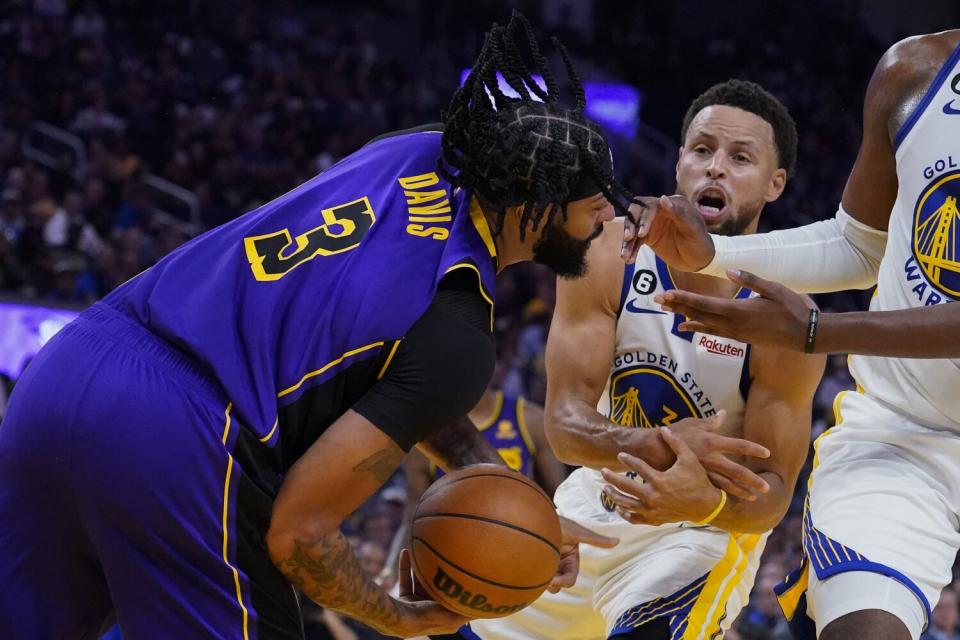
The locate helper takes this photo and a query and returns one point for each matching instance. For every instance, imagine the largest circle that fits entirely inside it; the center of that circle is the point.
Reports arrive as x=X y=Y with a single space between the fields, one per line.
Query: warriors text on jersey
x=921 y=265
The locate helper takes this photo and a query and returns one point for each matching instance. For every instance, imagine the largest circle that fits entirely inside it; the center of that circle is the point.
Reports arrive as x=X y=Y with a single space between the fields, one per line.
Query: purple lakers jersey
x=316 y=288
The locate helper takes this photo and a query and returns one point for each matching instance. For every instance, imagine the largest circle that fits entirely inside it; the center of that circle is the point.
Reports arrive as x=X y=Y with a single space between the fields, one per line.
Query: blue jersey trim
x=882 y=569
x=469 y=634
x=927 y=98
x=625 y=286
x=745 y=378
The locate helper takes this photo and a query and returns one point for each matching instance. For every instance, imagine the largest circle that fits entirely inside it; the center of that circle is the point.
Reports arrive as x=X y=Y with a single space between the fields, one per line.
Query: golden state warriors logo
x=648 y=397
x=936 y=234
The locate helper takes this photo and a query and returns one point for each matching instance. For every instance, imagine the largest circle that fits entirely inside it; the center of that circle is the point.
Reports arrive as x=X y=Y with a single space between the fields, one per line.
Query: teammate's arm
x=580 y=349
x=778 y=416
x=549 y=471
x=843 y=252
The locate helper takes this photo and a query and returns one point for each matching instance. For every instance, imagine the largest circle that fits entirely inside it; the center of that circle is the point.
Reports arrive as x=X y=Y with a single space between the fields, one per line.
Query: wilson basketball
x=485 y=541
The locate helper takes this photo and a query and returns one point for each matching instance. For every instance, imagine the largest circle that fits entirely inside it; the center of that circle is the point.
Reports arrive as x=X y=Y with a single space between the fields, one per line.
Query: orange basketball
x=486 y=541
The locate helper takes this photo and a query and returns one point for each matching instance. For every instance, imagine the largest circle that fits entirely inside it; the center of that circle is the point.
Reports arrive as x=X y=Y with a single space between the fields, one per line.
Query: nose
x=606 y=214
x=717 y=167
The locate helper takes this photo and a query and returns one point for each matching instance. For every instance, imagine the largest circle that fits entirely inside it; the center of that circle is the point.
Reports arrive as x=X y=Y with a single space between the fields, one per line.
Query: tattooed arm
x=350 y=461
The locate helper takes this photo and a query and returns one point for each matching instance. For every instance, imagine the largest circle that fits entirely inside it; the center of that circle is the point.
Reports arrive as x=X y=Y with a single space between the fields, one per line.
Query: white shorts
x=694 y=579
x=884 y=498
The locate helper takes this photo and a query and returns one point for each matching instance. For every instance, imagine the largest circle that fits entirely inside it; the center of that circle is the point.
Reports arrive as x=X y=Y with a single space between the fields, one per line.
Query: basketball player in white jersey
x=617 y=367
x=883 y=512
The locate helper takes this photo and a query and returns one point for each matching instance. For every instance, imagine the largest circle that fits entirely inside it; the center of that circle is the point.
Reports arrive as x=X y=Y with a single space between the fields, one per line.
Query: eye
x=741 y=158
x=702 y=150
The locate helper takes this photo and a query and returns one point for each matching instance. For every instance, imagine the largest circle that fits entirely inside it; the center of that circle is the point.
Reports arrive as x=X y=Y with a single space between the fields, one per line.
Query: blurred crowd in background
x=238 y=101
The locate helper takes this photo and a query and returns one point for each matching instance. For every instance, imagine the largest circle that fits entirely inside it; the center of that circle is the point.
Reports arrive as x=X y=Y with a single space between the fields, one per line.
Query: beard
x=737 y=223
x=562 y=253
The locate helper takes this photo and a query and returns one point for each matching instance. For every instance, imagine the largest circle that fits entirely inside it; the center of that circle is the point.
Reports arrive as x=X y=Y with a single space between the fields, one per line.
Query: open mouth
x=712 y=203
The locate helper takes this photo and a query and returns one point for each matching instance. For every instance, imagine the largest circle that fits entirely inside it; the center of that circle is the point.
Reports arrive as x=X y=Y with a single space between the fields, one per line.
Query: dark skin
x=779 y=317
x=353 y=458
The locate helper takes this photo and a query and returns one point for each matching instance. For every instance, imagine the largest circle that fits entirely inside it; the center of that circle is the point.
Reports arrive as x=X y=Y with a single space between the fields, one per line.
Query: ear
x=778 y=181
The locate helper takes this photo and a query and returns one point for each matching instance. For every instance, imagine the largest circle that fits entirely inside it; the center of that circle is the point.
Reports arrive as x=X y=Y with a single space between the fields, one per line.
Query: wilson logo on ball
x=454 y=590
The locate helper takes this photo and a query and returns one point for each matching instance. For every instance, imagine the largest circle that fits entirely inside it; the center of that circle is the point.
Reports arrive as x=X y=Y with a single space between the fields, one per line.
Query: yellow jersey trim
x=226 y=535
x=226 y=427
x=706 y=615
x=393 y=351
x=483 y=292
x=489 y=420
x=522 y=423
x=790 y=599
x=332 y=363
x=480 y=222
x=272 y=431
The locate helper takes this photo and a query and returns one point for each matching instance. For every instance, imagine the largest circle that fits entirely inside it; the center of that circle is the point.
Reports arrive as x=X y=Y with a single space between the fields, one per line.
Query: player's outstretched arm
x=778 y=416
x=346 y=464
x=780 y=318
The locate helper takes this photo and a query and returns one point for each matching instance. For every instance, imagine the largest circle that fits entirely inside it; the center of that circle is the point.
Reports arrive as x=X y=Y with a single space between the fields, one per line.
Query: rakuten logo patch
x=720 y=347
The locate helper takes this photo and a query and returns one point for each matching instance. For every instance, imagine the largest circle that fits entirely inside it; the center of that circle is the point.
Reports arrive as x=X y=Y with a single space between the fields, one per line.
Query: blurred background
x=126 y=128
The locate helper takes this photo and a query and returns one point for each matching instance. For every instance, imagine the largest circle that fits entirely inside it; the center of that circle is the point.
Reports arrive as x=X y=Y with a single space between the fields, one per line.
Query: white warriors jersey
x=659 y=374
x=921 y=264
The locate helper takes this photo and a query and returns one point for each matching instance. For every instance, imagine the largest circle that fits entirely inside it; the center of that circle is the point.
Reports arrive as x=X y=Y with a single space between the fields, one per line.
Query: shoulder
x=908 y=67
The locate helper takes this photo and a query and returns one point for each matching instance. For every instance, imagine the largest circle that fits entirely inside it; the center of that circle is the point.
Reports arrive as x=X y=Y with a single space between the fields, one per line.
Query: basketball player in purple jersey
x=186 y=450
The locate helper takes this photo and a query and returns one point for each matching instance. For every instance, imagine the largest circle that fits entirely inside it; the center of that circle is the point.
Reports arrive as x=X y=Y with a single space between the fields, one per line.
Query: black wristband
x=811 y=331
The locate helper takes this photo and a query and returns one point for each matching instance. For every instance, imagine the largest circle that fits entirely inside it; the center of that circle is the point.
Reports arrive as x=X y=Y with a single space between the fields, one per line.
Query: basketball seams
x=501 y=523
x=468 y=573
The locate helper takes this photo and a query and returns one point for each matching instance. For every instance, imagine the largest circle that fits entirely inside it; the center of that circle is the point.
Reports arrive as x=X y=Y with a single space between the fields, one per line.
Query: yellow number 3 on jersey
x=342 y=229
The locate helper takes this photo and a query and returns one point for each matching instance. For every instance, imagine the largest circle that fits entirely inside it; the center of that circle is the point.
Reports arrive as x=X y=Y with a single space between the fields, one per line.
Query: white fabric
x=830 y=255
x=888 y=488
x=657 y=376
x=846 y=593
x=649 y=562
x=921 y=266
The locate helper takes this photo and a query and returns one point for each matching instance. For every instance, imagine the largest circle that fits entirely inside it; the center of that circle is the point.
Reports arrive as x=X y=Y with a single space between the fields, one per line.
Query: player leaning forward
x=881 y=528
x=686 y=567
x=189 y=447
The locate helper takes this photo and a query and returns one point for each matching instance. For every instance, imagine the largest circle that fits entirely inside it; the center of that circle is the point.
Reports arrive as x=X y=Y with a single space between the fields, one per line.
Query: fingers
x=738 y=446
x=748 y=484
x=623 y=483
x=566 y=575
x=404 y=573
x=722 y=482
x=766 y=288
x=574 y=533
x=680 y=449
x=696 y=305
x=637 y=465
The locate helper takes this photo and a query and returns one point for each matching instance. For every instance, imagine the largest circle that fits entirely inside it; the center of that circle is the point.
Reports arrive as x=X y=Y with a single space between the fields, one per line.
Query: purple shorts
x=129 y=492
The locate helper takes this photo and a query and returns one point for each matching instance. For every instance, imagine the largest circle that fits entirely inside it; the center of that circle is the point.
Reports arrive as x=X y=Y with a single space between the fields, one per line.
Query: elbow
x=287 y=534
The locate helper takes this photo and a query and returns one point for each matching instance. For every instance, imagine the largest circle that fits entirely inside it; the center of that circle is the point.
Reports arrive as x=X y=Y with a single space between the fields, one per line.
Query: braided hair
x=527 y=150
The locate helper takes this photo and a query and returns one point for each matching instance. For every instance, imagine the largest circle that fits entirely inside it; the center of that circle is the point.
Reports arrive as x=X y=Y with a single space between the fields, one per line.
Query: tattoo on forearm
x=460 y=444
x=326 y=570
x=380 y=464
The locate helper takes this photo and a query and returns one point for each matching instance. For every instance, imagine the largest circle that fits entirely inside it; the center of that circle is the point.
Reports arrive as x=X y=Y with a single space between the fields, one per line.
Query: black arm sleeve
x=440 y=369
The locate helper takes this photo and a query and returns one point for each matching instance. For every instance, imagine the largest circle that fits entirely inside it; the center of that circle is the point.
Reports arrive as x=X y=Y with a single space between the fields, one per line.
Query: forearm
x=830 y=255
x=760 y=515
x=459 y=445
x=580 y=435
x=324 y=568
x=921 y=332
